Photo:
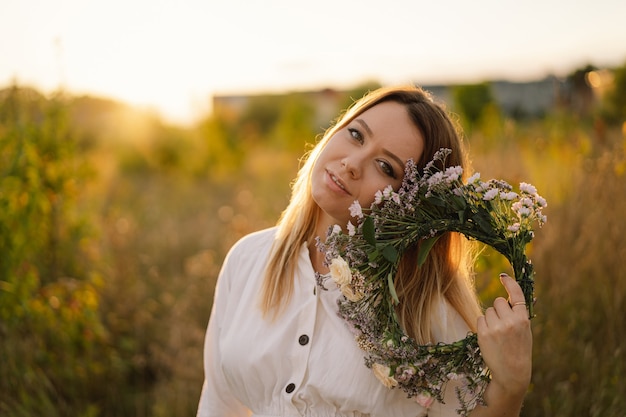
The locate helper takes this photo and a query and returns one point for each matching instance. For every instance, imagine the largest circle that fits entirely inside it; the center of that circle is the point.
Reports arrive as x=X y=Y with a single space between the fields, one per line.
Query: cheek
x=369 y=191
x=372 y=187
x=323 y=158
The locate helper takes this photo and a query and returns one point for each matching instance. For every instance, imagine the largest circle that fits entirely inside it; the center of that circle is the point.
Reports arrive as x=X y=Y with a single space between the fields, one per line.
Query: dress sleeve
x=216 y=399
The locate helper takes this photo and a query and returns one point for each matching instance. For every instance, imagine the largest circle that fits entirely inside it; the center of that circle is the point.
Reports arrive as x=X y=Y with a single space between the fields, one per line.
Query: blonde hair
x=445 y=274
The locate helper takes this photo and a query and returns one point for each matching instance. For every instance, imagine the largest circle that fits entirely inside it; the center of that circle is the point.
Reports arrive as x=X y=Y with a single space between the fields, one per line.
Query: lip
x=335 y=183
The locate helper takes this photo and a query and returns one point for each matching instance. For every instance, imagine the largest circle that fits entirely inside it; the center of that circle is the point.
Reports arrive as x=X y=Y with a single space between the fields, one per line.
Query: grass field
x=113 y=232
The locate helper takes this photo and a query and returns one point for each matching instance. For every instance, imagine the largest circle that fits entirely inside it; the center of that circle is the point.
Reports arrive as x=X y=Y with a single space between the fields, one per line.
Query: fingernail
x=502 y=275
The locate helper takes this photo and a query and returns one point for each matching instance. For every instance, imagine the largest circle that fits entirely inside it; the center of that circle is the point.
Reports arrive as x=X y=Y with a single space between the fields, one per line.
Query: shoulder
x=260 y=241
x=251 y=251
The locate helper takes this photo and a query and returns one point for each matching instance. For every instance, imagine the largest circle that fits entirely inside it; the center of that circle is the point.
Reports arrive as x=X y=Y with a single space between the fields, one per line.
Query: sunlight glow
x=172 y=57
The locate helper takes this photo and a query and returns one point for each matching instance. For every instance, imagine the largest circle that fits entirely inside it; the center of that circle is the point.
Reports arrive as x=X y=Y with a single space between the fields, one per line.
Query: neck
x=322 y=223
x=317 y=258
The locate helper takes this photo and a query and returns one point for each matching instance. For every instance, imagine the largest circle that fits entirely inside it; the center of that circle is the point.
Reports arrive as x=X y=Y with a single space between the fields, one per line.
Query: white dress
x=305 y=363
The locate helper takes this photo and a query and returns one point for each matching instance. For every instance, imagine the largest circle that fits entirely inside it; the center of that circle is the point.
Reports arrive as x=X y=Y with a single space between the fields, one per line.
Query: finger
x=491 y=317
x=504 y=309
x=516 y=295
x=481 y=324
x=501 y=304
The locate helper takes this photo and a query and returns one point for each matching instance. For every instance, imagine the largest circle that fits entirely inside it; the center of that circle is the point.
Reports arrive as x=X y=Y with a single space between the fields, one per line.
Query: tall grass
x=580 y=334
x=579 y=331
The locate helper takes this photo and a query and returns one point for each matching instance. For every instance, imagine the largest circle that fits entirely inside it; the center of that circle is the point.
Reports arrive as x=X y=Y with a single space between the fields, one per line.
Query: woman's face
x=365 y=156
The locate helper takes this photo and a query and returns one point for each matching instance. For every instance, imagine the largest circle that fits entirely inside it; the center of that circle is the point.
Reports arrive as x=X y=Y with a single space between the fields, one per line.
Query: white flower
x=479 y=186
x=453 y=376
x=378 y=197
x=491 y=194
x=508 y=196
x=453 y=173
x=351 y=229
x=514 y=227
x=473 y=178
x=336 y=229
x=340 y=271
x=527 y=202
x=355 y=209
x=435 y=179
x=528 y=188
x=382 y=373
x=523 y=207
x=541 y=201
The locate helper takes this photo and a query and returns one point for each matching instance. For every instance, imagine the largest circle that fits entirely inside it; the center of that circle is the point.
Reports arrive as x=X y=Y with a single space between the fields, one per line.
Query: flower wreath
x=363 y=263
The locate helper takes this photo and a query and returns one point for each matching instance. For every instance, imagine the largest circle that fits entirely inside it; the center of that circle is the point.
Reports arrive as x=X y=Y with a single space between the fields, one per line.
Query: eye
x=386 y=168
x=355 y=134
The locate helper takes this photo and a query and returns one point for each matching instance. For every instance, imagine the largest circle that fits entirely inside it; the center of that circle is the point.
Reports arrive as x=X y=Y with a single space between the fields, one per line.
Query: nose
x=352 y=166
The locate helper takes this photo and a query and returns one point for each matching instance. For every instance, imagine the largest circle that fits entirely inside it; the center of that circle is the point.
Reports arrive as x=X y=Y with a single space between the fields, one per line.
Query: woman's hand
x=505 y=341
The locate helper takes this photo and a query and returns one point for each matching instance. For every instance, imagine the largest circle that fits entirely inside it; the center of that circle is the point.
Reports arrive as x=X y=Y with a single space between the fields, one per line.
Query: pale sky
x=172 y=56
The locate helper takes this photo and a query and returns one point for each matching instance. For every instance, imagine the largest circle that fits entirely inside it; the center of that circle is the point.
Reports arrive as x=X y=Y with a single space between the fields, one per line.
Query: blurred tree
x=40 y=181
x=580 y=98
x=53 y=346
x=471 y=101
x=171 y=149
x=294 y=126
x=222 y=151
x=260 y=115
x=615 y=101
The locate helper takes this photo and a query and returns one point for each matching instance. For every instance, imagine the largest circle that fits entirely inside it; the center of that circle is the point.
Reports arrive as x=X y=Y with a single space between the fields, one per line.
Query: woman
x=275 y=345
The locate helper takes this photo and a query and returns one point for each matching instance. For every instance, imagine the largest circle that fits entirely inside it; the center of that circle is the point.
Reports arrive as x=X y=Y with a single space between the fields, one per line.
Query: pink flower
x=424 y=399
x=514 y=227
x=355 y=209
x=351 y=229
x=378 y=197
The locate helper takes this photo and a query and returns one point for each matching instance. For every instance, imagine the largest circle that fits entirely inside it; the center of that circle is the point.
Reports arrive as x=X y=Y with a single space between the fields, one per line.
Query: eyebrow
x=387 y=152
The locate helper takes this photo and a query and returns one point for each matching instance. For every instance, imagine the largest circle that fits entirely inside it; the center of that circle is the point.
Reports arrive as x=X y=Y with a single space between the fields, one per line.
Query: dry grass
x=164 y=231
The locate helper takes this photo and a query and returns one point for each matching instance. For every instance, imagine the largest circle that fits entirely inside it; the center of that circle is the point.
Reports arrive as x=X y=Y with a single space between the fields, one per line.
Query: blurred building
x=515 y=99
x=325 y=102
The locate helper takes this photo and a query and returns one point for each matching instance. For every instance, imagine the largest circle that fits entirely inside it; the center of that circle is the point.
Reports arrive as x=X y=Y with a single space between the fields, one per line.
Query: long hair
x=445 y=274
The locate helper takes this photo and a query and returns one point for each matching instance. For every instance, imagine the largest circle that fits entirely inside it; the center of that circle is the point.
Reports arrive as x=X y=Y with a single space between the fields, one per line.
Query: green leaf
x=425 y=247
x=436 y=201
x=369 y=231
x=390 y=253
x=484 y=224
x=392 y=288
